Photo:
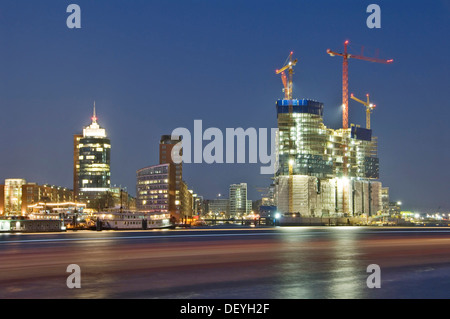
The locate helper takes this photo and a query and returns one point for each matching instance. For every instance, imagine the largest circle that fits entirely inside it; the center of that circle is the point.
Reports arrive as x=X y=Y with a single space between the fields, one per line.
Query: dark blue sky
x=152 y=66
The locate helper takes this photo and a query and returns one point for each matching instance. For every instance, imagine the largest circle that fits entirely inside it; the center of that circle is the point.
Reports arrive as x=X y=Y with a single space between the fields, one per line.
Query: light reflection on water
x=291 y=263
x=324 y=265
x=345 y=276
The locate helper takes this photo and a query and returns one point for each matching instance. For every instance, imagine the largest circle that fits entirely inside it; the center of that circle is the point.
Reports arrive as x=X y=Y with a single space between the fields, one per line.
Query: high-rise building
x=153 y=190
x=160 y=188
x=239 y=205
x=76 y=165
x=92 y=175
x=166 y=144
x=324 y=171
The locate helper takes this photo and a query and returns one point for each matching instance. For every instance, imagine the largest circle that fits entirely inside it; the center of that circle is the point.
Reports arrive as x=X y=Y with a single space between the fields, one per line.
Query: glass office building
x=92 y=165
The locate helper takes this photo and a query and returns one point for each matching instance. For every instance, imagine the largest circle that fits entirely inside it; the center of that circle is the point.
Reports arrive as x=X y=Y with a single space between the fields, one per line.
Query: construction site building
x=322 y=171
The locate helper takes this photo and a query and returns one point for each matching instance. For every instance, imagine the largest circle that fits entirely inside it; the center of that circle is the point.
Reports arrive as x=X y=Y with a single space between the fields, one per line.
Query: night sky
x=153 y=66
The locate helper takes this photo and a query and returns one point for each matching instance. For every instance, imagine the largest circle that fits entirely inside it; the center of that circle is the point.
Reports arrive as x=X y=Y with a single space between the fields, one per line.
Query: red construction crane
x=347 y=56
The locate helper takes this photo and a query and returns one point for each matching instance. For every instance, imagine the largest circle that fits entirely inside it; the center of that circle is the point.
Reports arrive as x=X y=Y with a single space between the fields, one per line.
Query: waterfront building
x=17 y=195
x=33 y=194
x=324 y=172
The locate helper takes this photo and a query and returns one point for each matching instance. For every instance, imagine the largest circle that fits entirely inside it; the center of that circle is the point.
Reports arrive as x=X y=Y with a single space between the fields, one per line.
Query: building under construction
x=323 y=172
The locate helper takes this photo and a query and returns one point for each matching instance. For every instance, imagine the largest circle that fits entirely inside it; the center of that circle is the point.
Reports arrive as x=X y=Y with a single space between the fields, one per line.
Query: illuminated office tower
x=92 y=165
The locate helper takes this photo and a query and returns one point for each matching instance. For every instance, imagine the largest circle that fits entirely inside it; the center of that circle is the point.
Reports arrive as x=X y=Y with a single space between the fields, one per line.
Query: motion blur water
x=271 y=263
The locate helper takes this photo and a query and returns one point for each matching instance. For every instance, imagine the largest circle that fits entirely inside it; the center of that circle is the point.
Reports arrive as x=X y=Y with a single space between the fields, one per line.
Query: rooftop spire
x=94 y=116
x=94 y=130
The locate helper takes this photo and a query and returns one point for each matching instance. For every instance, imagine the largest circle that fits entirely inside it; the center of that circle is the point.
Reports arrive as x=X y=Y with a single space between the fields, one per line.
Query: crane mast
x=347 y=56
x=369 y=108
x=287 y=81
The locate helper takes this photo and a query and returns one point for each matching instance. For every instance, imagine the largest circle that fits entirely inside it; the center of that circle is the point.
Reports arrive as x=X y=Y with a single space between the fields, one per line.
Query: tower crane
x=347 y=56
x=287 y=83
x=369 y=108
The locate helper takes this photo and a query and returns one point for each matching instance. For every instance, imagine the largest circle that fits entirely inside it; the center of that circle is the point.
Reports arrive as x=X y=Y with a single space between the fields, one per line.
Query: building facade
x=13 y=196
x=33 y=193
x=154 y=194
x=76 y=165
x=17 y=196
x=199 y=205
x=219 y=206
x=239 y=204
x=187 y=202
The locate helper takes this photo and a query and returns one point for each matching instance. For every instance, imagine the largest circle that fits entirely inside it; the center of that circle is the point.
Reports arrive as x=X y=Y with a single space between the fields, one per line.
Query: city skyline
x=224 y=158
x=135 y=112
